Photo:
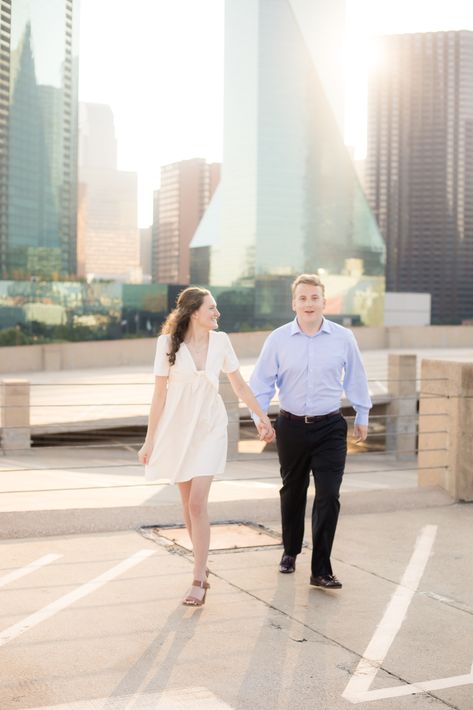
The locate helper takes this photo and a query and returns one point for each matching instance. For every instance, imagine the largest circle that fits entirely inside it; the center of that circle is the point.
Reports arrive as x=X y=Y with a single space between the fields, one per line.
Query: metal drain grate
x=223 y=536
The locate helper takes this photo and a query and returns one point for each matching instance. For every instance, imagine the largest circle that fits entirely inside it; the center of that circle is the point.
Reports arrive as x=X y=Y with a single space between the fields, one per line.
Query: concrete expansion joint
x=446 y=601
x=176 y=549
x=325 y=637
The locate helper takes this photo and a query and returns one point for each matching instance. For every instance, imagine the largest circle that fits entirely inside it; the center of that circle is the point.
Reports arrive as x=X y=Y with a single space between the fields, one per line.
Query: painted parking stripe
x=357 y=689
x=51 y=609
x=188 y=699
x=424 y=686
x=32 y=567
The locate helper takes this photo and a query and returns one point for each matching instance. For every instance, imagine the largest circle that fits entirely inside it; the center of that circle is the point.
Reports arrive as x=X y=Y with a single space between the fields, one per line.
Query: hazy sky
x=159 y=65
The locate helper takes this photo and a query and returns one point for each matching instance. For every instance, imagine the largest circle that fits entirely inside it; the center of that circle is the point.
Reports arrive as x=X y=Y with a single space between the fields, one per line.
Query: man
x=311 y=360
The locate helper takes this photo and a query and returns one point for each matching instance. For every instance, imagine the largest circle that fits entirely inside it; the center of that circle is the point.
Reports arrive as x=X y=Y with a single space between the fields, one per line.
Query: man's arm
x=263 y=379
x=355 y=385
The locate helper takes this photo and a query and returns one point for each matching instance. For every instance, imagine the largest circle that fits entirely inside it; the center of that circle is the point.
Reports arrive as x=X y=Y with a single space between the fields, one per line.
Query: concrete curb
x=43 y=523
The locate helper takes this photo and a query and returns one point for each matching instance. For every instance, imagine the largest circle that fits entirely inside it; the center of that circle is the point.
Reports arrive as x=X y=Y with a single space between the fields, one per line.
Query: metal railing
x=421 y=424
x=393 y=432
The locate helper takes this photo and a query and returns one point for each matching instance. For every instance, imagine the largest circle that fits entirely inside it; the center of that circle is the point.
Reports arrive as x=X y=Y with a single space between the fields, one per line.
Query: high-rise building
x=420 y=166
x=109 y=237
x=38 y=137
x=185 y=192
x=146 y=236
x=154 y=237
x=289 y=199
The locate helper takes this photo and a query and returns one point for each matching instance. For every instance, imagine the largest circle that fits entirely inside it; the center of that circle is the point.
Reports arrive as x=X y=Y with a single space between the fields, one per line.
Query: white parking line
x=412 y=688
x=17 y=629
x=357 y=689
x=32 y=567
x=188 y=699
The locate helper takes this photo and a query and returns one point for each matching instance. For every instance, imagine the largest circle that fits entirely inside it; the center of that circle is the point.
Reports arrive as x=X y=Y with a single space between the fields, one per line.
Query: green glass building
x=289 y=199
x=38 y=137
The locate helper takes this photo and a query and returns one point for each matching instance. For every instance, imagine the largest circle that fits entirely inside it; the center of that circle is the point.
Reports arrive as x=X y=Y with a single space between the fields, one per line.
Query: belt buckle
x=306 y=419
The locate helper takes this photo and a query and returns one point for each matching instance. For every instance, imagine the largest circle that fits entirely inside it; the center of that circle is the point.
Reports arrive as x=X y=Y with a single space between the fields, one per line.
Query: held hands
x=360 y=432
x=144 y=453
x=265 y=430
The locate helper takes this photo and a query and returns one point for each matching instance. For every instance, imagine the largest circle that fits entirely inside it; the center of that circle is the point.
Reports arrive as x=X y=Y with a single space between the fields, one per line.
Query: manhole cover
x=225 y=536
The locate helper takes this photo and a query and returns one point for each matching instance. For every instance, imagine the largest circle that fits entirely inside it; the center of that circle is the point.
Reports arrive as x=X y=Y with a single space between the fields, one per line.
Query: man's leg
x=328 y=463
x=294 y=457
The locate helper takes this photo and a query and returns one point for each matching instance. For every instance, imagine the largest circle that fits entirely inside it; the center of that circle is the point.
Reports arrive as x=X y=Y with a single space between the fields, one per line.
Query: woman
x=186 y=439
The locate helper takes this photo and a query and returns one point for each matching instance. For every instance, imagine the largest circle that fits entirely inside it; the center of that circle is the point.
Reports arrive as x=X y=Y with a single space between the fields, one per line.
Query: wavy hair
x=177 y=322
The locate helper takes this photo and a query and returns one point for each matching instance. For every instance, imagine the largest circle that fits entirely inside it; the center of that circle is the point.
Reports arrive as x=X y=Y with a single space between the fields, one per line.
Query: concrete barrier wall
x=445 y=427
x=140 y=351
x=23 y=358
x=77 y=356
x=250 y=344
x=431 y=336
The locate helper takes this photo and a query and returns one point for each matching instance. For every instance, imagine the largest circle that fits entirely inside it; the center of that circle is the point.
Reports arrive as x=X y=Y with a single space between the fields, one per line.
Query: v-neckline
x=206 y=357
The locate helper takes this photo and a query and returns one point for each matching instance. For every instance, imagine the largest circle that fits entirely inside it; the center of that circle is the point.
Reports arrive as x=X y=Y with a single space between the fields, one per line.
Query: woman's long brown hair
x=177 y=322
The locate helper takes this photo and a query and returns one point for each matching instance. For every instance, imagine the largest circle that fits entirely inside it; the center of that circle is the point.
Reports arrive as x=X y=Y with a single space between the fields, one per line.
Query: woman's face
x=207 y=315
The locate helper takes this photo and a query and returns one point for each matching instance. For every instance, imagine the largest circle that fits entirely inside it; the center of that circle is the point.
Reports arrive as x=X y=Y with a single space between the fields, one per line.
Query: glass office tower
x=289 y=199
x=38 y=177
x=420 y=166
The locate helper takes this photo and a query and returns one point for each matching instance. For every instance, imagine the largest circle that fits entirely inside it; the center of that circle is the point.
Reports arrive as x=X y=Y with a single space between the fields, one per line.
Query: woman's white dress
x=191 y=437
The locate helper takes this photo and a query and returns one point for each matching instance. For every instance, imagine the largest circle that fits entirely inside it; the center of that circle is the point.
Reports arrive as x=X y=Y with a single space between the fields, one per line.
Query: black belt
x=308 y=420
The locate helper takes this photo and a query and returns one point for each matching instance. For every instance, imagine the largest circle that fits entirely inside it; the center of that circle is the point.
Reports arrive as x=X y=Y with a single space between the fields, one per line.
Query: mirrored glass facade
x=39 y=143
x=45 y=311
x=420 y=166
x=289 y=199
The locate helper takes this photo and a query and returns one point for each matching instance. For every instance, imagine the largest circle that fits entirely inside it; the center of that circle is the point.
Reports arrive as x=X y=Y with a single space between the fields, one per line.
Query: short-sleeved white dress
x=191 y=437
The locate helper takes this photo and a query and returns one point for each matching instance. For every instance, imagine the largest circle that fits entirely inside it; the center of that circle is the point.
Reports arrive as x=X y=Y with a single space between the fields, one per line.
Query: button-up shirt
x=312 y=371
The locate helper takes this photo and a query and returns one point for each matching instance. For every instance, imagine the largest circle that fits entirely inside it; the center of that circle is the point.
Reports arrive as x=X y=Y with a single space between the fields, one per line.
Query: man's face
x=308 y=304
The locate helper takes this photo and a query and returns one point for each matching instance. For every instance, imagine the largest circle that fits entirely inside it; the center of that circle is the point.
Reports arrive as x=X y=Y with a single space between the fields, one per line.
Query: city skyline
x=194 y=51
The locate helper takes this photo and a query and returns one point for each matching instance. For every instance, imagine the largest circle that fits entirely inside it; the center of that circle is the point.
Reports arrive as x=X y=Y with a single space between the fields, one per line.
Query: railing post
x=233 y=410
x=447 y=398
x=402 y=411
x=15 y=415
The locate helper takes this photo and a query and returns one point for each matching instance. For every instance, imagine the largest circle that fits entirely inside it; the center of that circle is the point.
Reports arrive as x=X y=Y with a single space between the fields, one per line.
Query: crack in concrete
x=331 y=640
x=176 y=550
x=453 y=603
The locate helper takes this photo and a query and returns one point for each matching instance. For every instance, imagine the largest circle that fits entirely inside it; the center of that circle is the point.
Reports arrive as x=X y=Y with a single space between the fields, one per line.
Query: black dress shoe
x=287 y=564
x=327 y=581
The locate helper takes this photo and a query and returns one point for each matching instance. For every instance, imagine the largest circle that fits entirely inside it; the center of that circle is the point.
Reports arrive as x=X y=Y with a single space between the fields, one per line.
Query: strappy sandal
x=190 y=599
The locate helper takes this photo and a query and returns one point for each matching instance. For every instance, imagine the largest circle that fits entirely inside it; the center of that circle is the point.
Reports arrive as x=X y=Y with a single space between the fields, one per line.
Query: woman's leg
x=199 y=520
x=185 y=490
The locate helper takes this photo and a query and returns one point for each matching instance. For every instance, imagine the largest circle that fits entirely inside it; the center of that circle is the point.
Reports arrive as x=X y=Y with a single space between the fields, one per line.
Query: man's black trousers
x=320 y=447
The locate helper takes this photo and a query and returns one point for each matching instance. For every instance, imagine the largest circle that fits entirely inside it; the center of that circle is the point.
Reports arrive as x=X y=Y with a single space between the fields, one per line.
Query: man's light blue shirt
x=311 y=372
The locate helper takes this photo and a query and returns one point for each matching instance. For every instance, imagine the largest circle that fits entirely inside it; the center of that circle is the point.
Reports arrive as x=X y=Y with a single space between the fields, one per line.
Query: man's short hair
x=311 y=279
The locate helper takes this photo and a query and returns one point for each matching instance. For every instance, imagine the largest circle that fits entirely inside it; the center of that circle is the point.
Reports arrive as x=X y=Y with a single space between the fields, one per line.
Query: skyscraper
x=146 y=236
x=154 y=237
x=420 y=166
x=186 y=189
x=109 y=240
x=289 y=200
x=38 y=137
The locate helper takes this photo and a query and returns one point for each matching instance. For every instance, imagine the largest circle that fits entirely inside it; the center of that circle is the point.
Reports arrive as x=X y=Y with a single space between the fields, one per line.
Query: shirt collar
x=325 y=327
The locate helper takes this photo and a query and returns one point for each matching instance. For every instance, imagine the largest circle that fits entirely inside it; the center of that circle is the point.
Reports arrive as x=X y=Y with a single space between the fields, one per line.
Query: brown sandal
x=190 y=599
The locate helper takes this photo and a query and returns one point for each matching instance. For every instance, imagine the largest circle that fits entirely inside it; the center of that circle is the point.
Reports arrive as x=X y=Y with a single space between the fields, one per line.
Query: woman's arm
x=156 y=409
x=244 y=393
